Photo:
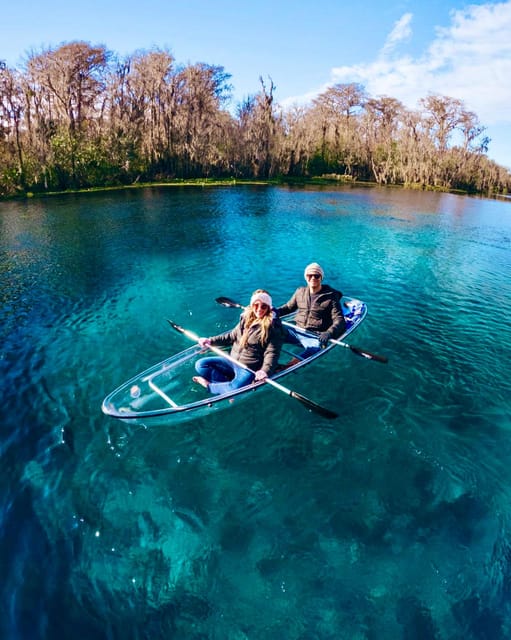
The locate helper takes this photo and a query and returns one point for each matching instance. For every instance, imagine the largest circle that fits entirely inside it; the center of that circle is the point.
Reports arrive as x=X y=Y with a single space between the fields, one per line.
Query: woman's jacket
x=254 y=354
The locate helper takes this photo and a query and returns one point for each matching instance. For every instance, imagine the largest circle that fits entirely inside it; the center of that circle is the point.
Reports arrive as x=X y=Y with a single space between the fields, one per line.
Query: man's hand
x=323 y=338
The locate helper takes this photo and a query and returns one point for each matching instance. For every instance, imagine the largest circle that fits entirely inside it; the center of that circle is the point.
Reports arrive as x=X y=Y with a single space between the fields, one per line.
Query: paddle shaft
x=326 y=413
x=227 y=302
x=360 y=352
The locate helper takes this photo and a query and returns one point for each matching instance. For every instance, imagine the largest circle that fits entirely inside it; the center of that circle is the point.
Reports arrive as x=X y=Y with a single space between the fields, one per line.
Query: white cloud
x=401 y=32
x=469 y=60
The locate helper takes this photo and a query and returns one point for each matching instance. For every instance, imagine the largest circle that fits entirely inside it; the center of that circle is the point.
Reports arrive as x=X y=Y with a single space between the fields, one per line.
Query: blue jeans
x=222 y=375
x=310 y=344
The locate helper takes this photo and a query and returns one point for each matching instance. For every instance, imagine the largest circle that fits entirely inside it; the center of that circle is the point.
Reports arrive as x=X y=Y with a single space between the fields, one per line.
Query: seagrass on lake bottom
x=264 y=520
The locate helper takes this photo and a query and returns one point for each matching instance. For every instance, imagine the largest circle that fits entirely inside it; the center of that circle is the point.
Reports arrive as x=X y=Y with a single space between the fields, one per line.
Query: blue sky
x=400 y=48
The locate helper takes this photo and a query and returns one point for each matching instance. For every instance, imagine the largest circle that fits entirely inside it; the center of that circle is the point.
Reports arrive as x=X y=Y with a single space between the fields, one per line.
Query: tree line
x=78 y=116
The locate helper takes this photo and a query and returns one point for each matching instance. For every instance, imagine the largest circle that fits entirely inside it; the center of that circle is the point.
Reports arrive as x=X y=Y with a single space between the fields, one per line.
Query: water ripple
x=264 y=520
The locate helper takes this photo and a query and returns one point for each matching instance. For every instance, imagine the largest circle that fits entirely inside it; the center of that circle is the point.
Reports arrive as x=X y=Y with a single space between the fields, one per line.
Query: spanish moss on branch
x=78 y=116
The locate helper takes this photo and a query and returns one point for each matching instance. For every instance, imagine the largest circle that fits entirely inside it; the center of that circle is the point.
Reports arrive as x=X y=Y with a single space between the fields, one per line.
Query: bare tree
x=70 y=78
x=65 y=85
x=298 y=142
x=259 y=125
x=203 y=90
x=12 y=109
x=143 y=102
x=471 y=129
x=382 y=121
x=443 y=114
x=336 y=110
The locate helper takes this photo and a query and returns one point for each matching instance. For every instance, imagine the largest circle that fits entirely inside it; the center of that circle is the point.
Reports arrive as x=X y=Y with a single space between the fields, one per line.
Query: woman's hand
x=261 y=375
x=204 y=342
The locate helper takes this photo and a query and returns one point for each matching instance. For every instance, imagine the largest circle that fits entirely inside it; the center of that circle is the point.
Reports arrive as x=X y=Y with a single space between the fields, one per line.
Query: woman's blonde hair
x=251 y=318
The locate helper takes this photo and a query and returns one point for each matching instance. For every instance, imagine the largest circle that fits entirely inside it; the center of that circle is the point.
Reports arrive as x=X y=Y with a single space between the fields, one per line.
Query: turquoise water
x=263 y=521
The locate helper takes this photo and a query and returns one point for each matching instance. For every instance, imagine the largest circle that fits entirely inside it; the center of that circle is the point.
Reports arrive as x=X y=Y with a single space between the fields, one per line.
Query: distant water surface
x=263 y=521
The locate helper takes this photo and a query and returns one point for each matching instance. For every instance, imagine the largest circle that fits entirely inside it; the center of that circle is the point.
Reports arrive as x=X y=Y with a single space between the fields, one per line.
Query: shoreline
x=330 y=180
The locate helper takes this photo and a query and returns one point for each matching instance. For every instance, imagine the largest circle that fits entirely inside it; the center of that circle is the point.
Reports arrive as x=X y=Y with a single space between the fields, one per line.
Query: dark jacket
x=324 y=315
x=254 y=354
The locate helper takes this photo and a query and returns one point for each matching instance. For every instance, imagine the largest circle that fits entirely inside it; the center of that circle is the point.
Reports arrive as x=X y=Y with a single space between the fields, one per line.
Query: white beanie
x=313 y=267
x=262 y=297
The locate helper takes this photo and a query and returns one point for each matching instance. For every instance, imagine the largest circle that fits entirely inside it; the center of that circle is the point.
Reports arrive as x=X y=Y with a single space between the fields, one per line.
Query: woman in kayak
x=256 y=342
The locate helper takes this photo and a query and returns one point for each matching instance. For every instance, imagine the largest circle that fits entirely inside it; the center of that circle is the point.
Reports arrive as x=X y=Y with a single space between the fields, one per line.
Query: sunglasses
x=263 y=305
x=316 y=276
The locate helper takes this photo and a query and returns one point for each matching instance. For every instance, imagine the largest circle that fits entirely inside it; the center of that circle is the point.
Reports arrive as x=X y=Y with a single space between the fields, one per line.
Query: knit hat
x=261 y=297
x=313 y=267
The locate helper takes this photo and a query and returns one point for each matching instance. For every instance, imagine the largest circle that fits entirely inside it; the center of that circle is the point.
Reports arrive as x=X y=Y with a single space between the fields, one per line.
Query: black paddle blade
x=227 y=302
x=369 y=355
x=186 y=332
x=323 y=411
x=175 y=326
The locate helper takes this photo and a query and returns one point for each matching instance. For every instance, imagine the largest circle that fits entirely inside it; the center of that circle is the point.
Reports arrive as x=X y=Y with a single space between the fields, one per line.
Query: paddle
x=323 y=411
x=227 y=302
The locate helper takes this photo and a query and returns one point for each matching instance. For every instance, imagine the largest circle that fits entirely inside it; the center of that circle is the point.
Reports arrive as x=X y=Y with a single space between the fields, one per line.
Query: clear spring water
x=263 y=521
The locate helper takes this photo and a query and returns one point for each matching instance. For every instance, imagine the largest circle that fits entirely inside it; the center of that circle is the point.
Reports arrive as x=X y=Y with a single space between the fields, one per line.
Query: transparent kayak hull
x=166 y=389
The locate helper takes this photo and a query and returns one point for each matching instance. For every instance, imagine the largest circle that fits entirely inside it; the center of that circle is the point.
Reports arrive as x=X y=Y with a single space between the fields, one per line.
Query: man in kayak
x=318 y=308
x=256 y=343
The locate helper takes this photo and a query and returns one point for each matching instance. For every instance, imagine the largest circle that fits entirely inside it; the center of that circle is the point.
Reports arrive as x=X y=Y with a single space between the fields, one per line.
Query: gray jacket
x=254 y=354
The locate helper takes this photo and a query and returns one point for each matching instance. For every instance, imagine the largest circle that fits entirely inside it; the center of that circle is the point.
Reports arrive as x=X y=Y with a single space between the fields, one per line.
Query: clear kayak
x=166 y=389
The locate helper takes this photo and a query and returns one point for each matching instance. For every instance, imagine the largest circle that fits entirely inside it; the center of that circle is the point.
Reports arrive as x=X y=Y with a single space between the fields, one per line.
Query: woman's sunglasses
x=263 y=305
